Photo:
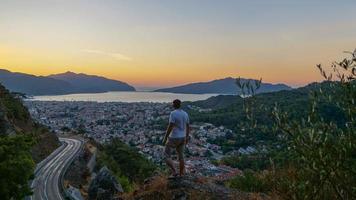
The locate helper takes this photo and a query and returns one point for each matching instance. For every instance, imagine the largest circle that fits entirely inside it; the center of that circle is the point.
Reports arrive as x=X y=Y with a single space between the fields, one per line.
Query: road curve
x=46 y=185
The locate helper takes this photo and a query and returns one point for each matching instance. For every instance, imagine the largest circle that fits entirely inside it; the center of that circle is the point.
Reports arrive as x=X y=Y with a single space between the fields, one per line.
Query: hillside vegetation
x=22 y=144
x=128 y=166
x=228 y=111
x=305 y=138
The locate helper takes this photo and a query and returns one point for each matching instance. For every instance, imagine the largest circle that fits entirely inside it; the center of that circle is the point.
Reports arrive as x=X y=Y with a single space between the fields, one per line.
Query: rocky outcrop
x=188 y=188
x=104 y=186
x=5 y=126
x=74 y=193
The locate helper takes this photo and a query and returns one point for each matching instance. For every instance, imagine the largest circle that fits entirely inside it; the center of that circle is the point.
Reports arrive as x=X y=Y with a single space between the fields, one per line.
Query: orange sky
x=166 y=44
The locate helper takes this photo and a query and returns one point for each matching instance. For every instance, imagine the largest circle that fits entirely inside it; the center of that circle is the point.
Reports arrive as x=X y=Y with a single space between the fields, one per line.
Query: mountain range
x=70 y=82
x=92 y=83
x=57 y=84
x=221 y=86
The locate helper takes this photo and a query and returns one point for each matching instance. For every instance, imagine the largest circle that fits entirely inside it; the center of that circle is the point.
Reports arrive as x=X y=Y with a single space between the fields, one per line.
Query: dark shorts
x=175 y=143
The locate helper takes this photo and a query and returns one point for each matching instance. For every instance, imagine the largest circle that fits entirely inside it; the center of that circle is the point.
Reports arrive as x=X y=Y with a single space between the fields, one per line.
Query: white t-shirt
x=180 y=119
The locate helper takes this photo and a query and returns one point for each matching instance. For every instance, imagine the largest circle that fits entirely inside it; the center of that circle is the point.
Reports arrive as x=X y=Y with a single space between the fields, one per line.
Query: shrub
x=125 y=162
x=249 y=182
x=16 y=166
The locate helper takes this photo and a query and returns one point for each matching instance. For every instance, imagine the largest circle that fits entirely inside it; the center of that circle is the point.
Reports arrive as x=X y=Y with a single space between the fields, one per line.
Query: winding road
x=48 y=173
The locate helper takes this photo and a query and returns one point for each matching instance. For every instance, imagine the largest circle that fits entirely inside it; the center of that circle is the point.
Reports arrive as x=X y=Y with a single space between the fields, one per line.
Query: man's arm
x=168 y=131
x=187 y=128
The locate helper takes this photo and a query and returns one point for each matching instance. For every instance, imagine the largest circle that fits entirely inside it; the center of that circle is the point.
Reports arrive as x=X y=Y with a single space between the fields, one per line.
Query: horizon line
x=155 y=87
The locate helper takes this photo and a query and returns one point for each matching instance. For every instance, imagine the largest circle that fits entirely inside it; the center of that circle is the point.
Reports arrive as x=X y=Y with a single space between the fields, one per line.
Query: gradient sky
x=170 y=42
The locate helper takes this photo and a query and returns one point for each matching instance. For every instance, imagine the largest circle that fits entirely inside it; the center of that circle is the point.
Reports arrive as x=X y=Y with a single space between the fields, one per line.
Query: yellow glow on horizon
x=295 y=67
x=160 y=73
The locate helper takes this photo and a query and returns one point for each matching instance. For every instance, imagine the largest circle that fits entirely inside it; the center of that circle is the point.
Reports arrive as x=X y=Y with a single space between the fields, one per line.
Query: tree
x=321 y=161
x=16 y=166
x=125 y=162
x=317 y=158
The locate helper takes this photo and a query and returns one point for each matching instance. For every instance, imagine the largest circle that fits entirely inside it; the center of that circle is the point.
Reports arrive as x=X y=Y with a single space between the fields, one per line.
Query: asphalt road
x=46 y=185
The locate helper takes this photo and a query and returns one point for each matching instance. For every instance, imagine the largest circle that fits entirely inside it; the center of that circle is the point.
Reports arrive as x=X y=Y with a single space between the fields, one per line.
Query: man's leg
x=169 y=162
x=180 y=152
x=181 y=167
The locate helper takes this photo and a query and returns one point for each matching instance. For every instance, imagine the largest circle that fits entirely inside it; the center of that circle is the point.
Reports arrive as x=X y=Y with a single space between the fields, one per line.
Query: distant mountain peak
x=221 y=86
x=4 y=70
x=64 y=83
x=92 y=83
x=69 y=73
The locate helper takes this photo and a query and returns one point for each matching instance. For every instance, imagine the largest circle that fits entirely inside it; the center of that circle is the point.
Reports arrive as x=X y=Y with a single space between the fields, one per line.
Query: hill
x=58 y=84
x=91 y=83
x=215 y=102
x=33 y=85
x=221 y=86
x=16 y=120
x=226 y=101
x=227 y=110
x=22 y=143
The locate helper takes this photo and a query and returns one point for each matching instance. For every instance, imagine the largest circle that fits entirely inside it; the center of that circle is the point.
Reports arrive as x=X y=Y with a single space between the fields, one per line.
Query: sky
x=160 y=43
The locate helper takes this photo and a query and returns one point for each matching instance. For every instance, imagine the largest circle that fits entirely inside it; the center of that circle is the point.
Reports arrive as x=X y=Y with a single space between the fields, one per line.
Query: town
x=141 y=125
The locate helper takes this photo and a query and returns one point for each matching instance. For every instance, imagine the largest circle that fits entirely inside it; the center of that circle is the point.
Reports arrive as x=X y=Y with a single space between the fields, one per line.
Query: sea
x=155 y=97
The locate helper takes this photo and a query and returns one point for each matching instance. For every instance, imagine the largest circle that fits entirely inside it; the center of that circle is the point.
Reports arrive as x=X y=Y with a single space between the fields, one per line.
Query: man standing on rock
x=177 y=136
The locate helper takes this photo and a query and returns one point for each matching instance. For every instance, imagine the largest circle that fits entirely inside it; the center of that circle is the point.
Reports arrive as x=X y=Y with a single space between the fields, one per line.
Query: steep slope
x=90 y=83
x=221 y=86
x=33 y=85
x=15 y=119
x=119 y=161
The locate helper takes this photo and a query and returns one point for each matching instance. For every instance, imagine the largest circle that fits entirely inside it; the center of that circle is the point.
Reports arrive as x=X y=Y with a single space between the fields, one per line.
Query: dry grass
x=151 y=190
x=159 y=188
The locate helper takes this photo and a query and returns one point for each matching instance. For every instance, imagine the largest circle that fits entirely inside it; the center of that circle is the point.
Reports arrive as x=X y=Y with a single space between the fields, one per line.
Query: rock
x=103 y=194
x=180 y=195
x=189 y=187
x=74 y=193
x=104 y=186
x=6 y=127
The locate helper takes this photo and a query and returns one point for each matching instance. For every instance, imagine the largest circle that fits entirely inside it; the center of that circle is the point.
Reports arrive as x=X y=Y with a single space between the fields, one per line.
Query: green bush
x=253 y=162
x=317 y=154
x=125 y=183
x=249 y=182
x=125 y=162
x=14 y=108
x=16 y=166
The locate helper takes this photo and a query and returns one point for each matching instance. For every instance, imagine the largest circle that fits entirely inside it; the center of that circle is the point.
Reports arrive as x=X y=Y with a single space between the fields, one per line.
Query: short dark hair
x=176 y=103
